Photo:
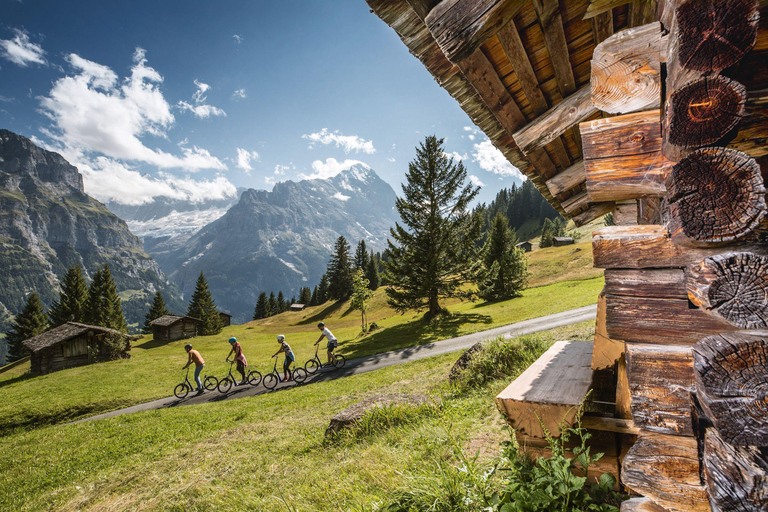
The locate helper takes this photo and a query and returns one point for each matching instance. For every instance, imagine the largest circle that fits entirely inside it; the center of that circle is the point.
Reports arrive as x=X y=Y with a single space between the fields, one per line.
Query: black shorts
x=240 y=367
x=332 y=345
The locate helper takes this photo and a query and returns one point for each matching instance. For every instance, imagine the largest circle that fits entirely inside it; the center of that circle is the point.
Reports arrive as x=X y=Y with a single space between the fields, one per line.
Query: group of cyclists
x=242 y=363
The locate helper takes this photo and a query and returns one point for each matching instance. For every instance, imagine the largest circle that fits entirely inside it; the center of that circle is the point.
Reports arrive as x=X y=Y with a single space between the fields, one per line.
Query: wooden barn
x=525 y=246
x=226 y=319
x=70 y=345
x=654 y=110
x=560 y=241
x=297 y=307
x=174 y=327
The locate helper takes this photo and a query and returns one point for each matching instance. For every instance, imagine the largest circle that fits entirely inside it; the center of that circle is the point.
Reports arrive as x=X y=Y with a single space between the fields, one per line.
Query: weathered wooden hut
x=654 y=110
x=73 y=344
x=560 y=241
x=525 y=246
x=174 y=327
x=226 y=319
x=297 y=307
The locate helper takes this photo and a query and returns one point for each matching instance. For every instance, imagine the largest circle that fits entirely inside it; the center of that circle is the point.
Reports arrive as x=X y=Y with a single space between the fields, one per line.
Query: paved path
x=378 y=361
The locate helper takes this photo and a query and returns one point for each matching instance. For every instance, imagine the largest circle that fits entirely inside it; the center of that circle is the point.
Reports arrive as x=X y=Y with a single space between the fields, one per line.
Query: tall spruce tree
x=96 y=307
x=502 y=269
x=156 y=310
x=313 y=299
x=203 y=307
x=361 y=256
x=72 y=300
x=340 y=271
x=431 y=254
x=372 y=273
x=272 y=303
x=322 y=290
x=30 y=322
x=262 y=307
x=281 y=305
x=113 y=317
x=305 y=296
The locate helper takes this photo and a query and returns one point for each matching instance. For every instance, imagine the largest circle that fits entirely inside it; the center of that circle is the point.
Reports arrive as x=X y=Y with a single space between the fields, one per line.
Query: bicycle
x=271 y=379
x=182 y=390
x=315 y=363
x=225 y=384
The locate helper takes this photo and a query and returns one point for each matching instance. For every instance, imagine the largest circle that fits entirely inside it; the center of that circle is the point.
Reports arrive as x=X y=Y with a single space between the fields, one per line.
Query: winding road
x=378 y=361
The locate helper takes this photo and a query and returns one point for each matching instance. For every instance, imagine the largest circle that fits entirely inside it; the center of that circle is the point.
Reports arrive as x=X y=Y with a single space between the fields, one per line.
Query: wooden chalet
x=560 y=241
x=525 y=246
x=174 y=327
x=226 y=319
x=297 y=307
x=70 y=345
x=654 y=110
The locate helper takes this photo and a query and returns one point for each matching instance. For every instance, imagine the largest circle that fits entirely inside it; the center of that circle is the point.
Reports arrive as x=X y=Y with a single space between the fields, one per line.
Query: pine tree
x=203 y=307
x=272 y=303
x=340 y=271
x=73 y=298
x=361 y=294
x=113 y=316
x=372 y=273
x=157 y=310
x=503 y=269
x=313 y=300
x=361 y=256
x=322 y=290
x=30 y=322
x=281 y=306
x=96 y=306
x=431 y=254
x=262 y=307
x=305 y=297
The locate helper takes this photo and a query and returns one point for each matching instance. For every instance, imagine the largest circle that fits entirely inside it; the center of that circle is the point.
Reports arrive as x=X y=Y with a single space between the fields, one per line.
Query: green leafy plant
x=500 y=358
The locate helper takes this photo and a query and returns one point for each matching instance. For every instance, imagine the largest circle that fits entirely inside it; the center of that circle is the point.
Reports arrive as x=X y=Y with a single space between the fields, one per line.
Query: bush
x=382 y=419
x=500 y=358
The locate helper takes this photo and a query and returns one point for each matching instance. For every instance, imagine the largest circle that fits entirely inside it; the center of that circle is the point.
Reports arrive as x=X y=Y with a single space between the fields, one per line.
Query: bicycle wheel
x=339 y=361
x=311 y=366
x=254 y=378
x=210 y=383
x=270 y=381
x=299 y=375
x=181 y=390
x=225 y=385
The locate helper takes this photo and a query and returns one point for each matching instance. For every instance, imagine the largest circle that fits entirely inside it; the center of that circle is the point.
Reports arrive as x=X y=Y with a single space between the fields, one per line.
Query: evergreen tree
x=73 y=298
x=503 y=269
x=313 y=300
x=30 y=322
x=157 y=310
x=113 y=316
x=272 y=303
x=322 y=290
x=372 y=273
x=293 y=301
x=608 y=219
x=262 y=307
x=96 y=306
x=361 y=294
x=430 y=255
x=340 y=271
x=281 y=306
x=361 y=256
x=203 y=307
x=305 y=297
x=547 y=234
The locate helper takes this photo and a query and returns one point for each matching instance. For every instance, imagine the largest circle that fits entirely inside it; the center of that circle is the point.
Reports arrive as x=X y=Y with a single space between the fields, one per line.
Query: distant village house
x=525 y=246
x=226 y=319
x=297 y=307
x=559 y=241
x=74 y=344
x=174 y=327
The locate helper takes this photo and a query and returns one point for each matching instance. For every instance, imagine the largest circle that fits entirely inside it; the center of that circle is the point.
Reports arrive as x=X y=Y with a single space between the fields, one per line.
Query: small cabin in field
x=525 y=246
x=174 y=327
x=226 y=319
x=560 y=241
x=297 y=307
x=73 y=344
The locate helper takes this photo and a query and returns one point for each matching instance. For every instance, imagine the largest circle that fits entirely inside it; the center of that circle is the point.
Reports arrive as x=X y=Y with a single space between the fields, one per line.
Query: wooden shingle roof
x=64 y=333
x=167 y=320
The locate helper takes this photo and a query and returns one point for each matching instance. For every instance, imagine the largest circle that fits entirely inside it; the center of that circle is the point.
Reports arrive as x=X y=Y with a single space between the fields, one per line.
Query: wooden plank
x=666 y=469
x=595 y=211
x=605 y=424
x=422 y=7
x=601 y=6
x=626 y=70
x=649 y=283
x=659 y=321
x=553 y=123
x=602 y=26
x=605 y=352
x=575 y=203
x=460 y=27
x=549 y=389
x=623 y=394
x=641 y=505
x=625 y=213
x=752 y=136
x=548 y=12
x=660 y=382
x=571 y=177
x=638 y=133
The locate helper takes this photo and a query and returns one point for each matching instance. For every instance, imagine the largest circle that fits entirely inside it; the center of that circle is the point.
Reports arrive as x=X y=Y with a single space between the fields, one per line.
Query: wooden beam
x=641 y=505
x=752 y=136
x=623 y=394
x=422 y=7
x=626 y=70
x=461 y=26
x=555 y=121
x=575 y=203
x=602 y=26
x=603 y=424
x=572 y=177
x=551 y=22
x=595 y=211
x=605 y=351
x=597 y=7
x=666 y=283
x=625 y=213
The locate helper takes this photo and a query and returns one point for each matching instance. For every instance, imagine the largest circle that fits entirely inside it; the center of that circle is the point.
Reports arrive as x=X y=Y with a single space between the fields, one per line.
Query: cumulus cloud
x=200 y=108
x=330 y=168
x=348 y=143
x=238 y=38
x=456 y=156
x=21 y=51
x=476 y=181
x=492 y=160
x=244 y=159
x=239 y=94
x=280 y=169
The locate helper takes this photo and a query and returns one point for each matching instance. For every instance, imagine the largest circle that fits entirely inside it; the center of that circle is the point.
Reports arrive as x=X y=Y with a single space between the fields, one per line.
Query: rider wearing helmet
x=195 y=357
x=332 y=341
x=289 y=357
x=239 y=357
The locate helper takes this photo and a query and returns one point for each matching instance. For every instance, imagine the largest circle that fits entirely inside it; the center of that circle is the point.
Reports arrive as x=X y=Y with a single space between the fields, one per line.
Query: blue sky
x=192 y=99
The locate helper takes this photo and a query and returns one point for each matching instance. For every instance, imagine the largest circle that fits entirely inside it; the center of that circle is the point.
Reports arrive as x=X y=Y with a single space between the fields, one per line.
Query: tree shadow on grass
x=323 y=313
x=416 y=332
x=18 y=378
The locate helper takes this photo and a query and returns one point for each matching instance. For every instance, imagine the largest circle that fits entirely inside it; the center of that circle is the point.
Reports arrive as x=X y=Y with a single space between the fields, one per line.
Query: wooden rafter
x=571 y=177
x=548 y=12
x=422 y=7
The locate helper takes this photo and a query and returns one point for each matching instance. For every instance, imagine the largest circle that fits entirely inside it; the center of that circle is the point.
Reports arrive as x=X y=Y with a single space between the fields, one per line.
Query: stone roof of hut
x=64 y=333
x=167 y=320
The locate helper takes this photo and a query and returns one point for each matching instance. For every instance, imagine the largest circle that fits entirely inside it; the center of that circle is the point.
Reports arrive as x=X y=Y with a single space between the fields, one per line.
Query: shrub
x=500 y=358
x=382 y=419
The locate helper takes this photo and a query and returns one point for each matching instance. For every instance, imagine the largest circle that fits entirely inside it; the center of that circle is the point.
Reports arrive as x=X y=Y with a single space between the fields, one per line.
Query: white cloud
x=20 y=50
x=492 y=160
x=476 y=181
x=330 y=168
x=109 y=180
x=239 y=94
x=391 y=159
x=200 y=108
x=341 y=197
x=456 y=156
x=244 y=159
x=238 y=38
x=280 y=169
x=346 y=142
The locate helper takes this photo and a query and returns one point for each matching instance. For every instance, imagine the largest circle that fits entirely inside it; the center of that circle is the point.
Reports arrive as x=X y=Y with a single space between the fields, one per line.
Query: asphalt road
x=375 y=362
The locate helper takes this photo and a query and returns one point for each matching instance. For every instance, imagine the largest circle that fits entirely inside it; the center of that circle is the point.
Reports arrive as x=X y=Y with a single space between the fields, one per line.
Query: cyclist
x=195 y=357
x=332 y=341
x=289 y=357
x=239 y=357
